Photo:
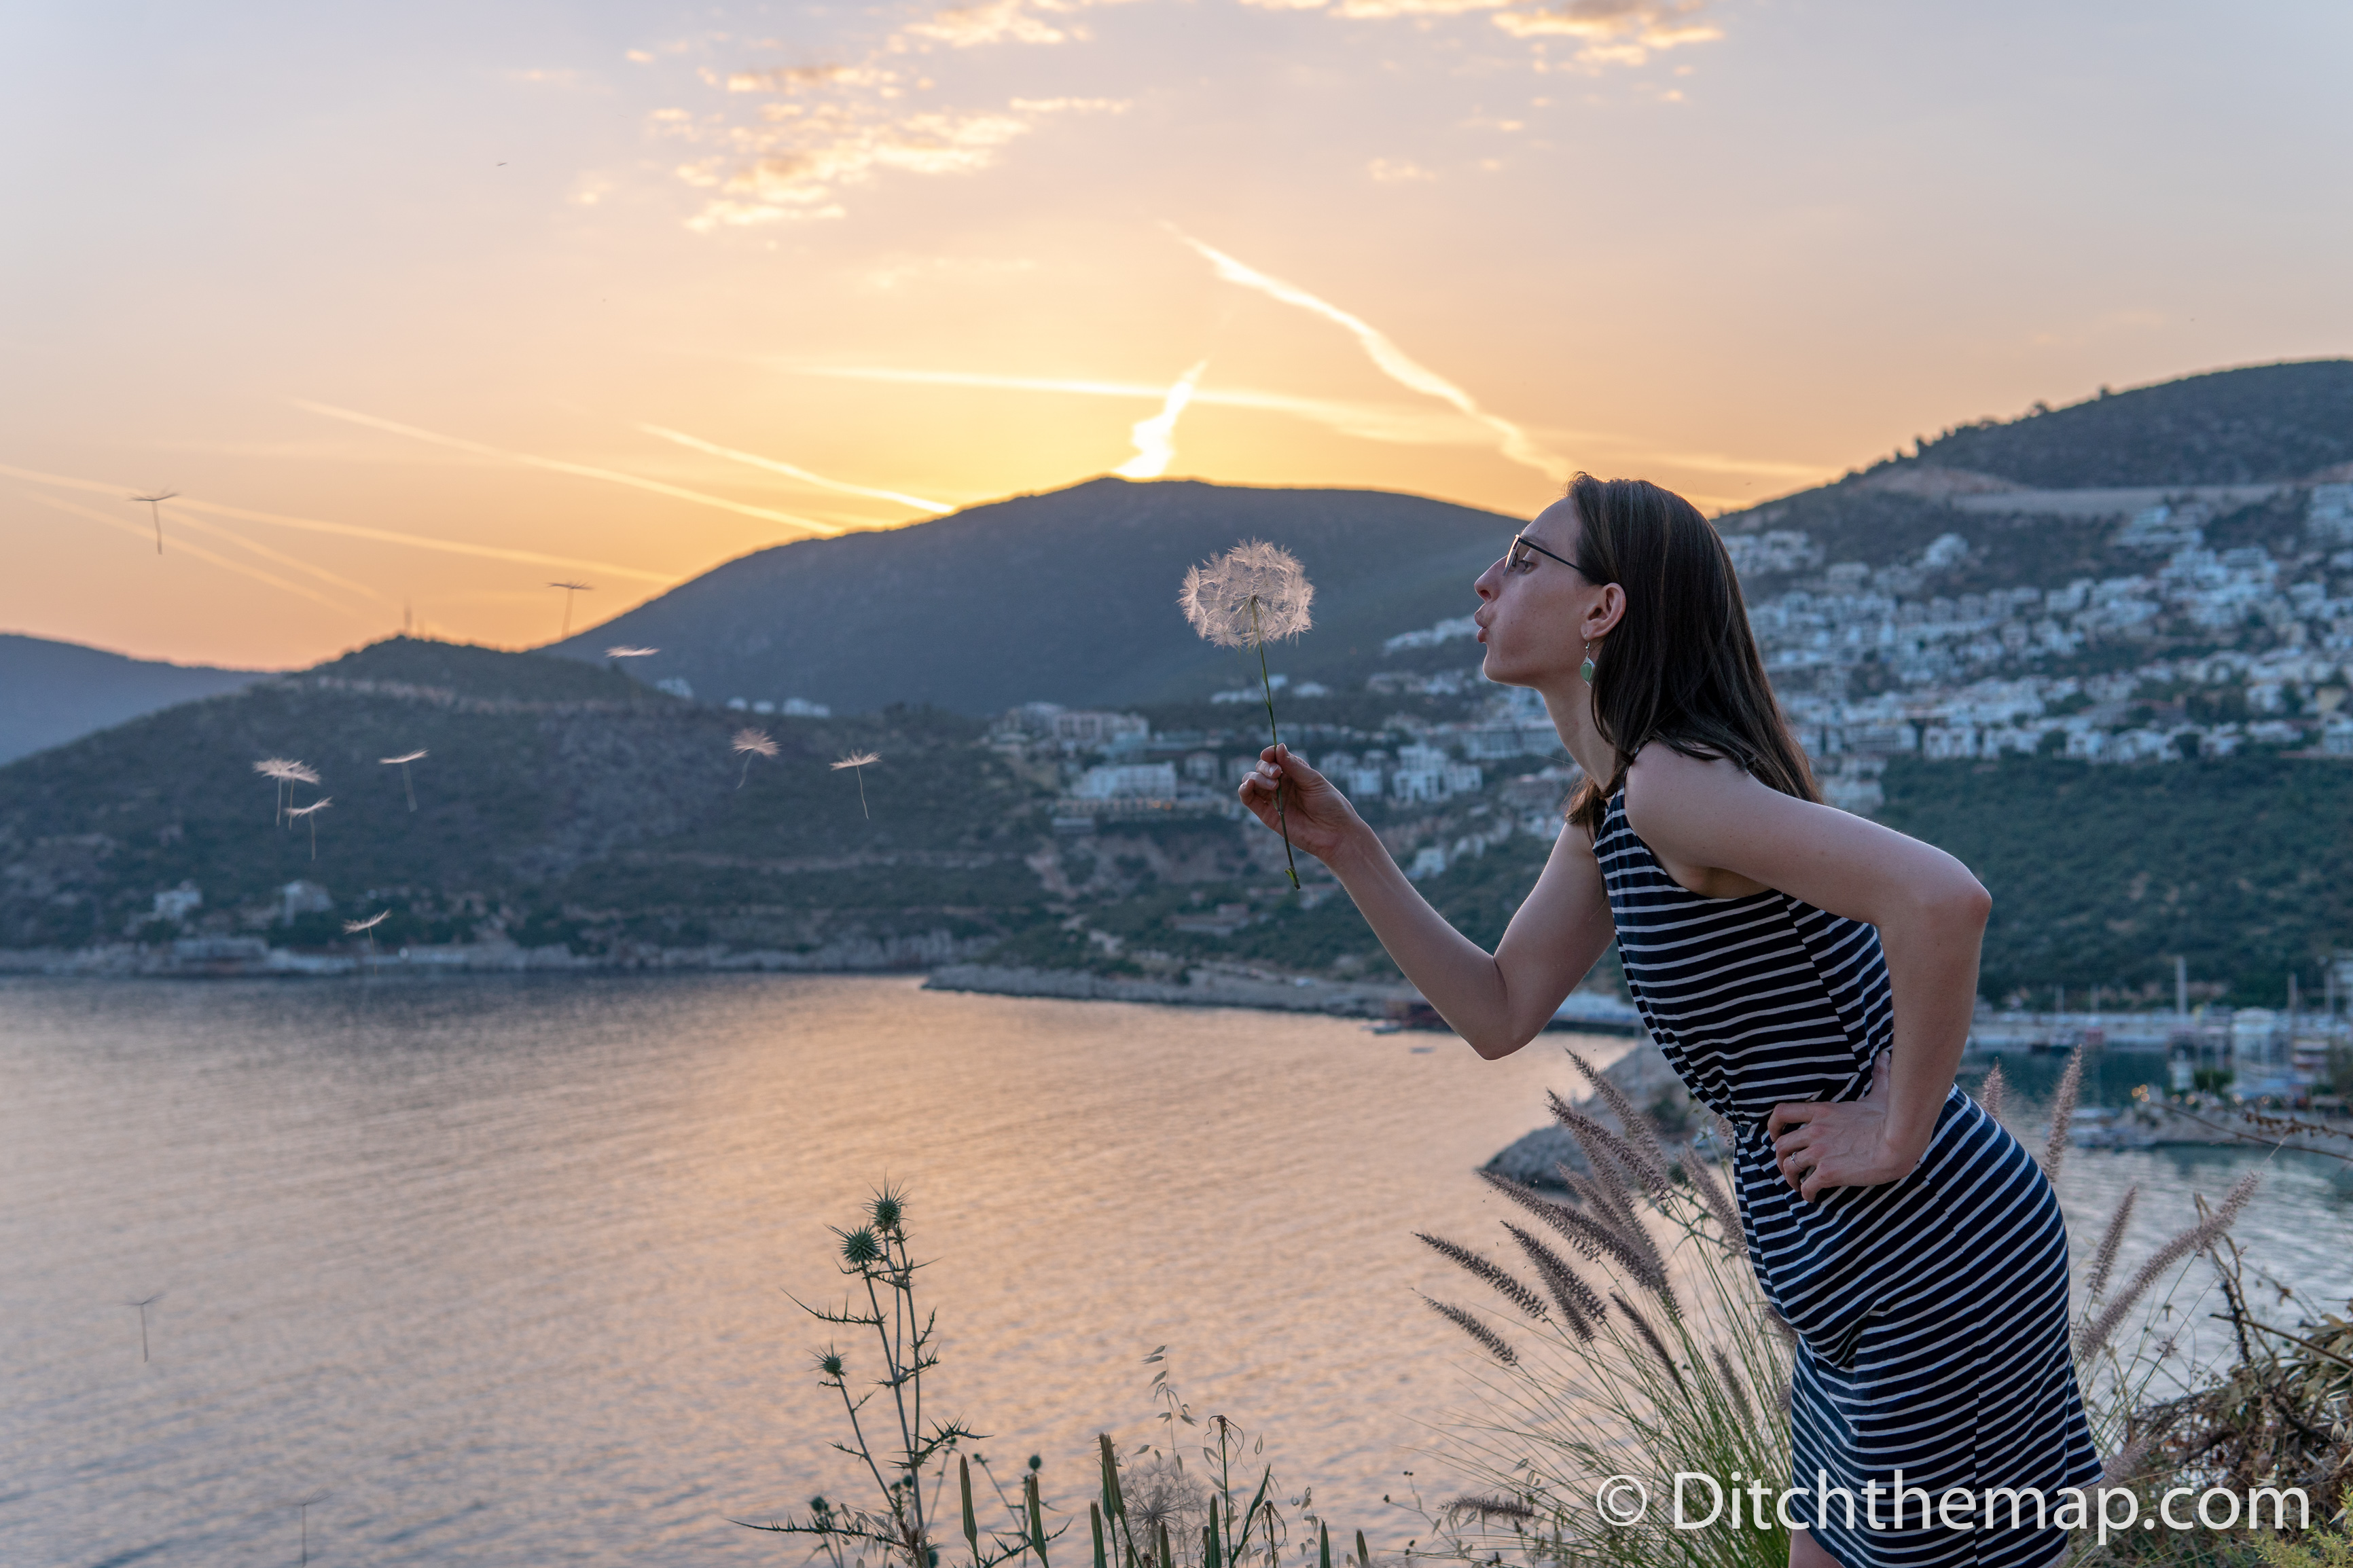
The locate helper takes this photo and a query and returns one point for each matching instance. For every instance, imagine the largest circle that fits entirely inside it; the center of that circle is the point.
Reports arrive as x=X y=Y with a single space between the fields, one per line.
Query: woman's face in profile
x=1531 y=608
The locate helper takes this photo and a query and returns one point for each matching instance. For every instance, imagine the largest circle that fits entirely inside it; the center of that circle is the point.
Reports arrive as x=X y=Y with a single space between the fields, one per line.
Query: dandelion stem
x=1266 y=682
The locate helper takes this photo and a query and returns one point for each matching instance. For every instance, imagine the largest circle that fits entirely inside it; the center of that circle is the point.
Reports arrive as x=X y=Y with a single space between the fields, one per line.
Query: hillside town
x=2245 y=646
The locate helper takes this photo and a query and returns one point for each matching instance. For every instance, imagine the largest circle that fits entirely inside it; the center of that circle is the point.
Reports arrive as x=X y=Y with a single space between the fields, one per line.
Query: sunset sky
x=421 y=307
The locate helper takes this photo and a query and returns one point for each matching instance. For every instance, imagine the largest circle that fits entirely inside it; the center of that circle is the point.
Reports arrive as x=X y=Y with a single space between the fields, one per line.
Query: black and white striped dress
x=1931 y=1311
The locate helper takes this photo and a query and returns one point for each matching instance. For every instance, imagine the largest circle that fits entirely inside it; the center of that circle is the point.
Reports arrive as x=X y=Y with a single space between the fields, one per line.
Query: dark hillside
x=2264 y=423
x=51 y=692
x=541 y=776
x=1068 y=597
x=2100 y=875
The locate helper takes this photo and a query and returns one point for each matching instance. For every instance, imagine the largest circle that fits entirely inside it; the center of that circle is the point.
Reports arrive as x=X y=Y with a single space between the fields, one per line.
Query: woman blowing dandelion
x=1251 y=593
x=1811 y=976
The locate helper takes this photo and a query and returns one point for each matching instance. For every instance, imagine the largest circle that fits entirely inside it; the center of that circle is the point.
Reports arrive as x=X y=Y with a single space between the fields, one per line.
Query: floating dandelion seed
x=143 y=1305
x=569 y=589
x=1253 y=592
x=366 y=926
x=286 y=773
x=154 y=504
x=857 y=761
x=752 y=744
x=312 y=812
x=401 y=762
x=301 y=1505
x=625 y=652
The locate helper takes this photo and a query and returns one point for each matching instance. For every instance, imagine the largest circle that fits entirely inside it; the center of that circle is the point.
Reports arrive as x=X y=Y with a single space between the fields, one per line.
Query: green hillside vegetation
x=2101 y=875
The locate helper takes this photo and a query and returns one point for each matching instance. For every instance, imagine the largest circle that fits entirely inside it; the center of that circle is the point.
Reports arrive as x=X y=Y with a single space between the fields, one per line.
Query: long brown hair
x=1681 y=666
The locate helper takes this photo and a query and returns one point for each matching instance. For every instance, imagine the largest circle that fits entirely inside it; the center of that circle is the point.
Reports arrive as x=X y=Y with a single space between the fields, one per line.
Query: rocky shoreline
x=1643 y=1076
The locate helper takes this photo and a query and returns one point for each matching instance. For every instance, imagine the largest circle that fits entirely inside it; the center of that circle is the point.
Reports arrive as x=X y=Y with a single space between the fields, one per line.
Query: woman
x=1810 y=975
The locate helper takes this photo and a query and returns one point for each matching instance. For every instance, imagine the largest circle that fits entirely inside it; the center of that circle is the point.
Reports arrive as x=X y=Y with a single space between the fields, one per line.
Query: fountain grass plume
x=1581 y=1306
x=401 y=762
x=2062 y=1113
x=1649 y=1168
x=752 y=744
x=1253 y=592
x=1493 y=1343
x=1509 y=1288
x=858 y=762
x=1661 y=1369
x=1638 y=1131
x=2092 y=1336
x=1992 y=1091
x=2103 y=1261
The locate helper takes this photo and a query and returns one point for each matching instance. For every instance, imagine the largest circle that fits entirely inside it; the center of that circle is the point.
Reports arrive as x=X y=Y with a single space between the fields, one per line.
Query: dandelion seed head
x=625 y=652
x=1253 y=593
x=318 y=805
x=758 y=742
x=353 y=928
x=856 y=759
x=286 y=771
x=415 y=756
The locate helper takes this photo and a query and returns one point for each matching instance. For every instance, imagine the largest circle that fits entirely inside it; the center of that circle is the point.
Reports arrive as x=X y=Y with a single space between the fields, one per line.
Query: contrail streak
x=1369 y=421
x=557 y=465
x=1155 y=439
x=357 y=531
x=242 y=543
x=199 y=551
x=807 y=477
x=1394 y=362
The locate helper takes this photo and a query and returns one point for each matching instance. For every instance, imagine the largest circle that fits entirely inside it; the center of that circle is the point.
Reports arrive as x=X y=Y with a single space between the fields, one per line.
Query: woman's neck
x=1570 y=704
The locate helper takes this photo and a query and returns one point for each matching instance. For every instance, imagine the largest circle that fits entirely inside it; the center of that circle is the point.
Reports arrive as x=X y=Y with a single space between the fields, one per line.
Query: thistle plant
x=857 y=762
x=1148 y=1515
x=752 y=744
x=401 y=762
x=1253 y=592
x=899 y=1453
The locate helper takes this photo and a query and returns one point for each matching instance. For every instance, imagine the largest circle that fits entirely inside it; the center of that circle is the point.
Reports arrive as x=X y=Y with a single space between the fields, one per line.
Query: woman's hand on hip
x=1821 y=1144
x=1316 y=815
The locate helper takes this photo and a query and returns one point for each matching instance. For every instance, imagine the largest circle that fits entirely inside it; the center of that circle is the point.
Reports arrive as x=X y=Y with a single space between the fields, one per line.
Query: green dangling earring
x=1586 y=669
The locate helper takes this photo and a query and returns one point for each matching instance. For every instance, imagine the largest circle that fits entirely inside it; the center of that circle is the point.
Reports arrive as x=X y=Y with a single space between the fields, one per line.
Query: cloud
x=774 y=466
x=991 y=22
x=1397 y=171
x=1511 y=439
x=1617 y=32
x=558 y=465
x=1155 y=439
x=794 y=161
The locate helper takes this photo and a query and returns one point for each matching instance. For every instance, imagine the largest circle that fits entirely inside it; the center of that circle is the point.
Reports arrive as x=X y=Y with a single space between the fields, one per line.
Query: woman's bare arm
x=1931 y=915
x=1499 y=1000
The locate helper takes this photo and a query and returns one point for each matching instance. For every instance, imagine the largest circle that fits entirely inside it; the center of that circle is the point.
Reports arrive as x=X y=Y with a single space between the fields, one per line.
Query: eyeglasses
x=1516 y=559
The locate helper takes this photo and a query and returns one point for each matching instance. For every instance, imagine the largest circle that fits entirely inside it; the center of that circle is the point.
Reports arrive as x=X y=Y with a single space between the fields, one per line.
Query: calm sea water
x=498 y=1265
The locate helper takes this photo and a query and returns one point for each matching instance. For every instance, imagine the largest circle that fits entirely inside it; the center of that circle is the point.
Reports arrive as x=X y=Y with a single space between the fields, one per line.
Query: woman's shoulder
x=1662 y=781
